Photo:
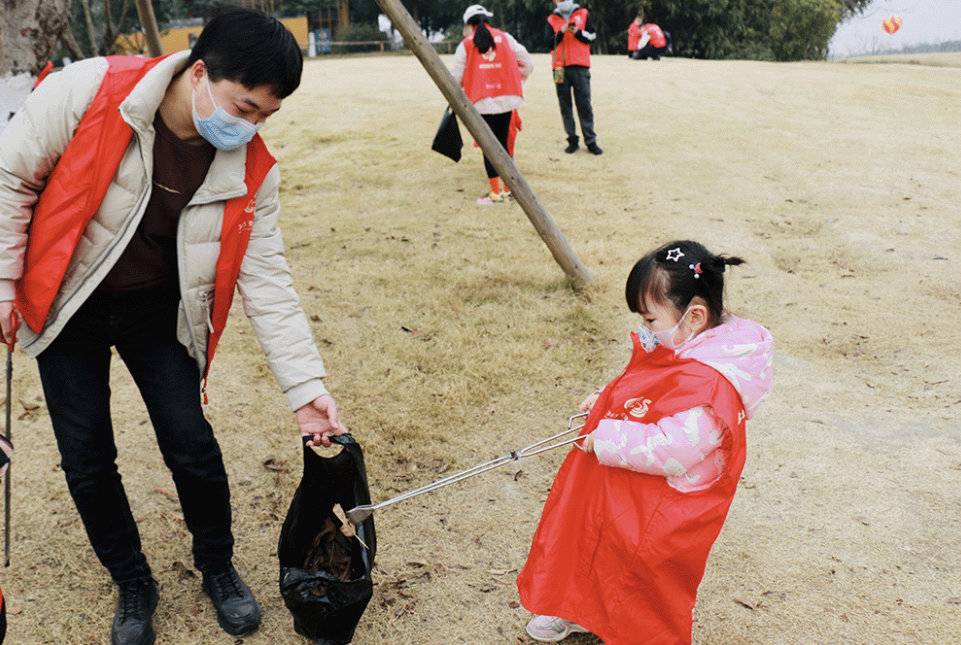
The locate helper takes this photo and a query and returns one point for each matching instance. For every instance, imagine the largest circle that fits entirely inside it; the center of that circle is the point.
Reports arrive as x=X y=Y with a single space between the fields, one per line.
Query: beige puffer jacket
x=29 y=149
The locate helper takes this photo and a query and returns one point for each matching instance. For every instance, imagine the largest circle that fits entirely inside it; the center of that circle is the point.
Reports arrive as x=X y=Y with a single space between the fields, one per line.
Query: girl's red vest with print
x=492 y=74
x=570 y=51
x=658 y=39
x=622 y=553
x=79 y=182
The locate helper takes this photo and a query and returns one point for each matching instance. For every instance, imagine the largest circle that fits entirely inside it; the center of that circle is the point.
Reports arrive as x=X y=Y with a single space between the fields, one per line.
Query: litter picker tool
x=8 y=435
x=360 y=513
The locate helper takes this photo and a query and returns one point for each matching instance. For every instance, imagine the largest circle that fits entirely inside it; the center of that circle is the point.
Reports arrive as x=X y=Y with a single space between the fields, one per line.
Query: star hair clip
x=696 y=268
x=674 y=255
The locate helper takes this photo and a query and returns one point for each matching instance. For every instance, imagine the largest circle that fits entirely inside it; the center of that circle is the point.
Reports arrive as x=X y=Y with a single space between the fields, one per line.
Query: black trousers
x=577 y=80
x=649 y=51
x=75 y=371
x=501 y=126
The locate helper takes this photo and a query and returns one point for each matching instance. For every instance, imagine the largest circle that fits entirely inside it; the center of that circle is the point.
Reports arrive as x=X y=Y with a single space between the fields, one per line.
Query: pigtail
x=721 y=262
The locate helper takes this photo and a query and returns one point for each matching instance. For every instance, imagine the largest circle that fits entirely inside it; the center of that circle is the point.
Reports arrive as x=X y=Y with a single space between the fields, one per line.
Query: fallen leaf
x=745 y=603
x=182 y=571
x=845 y=619
x=29 y=406
x=863 y=520
x=956 y=600
x=166 y=493
x=346 y=526
x=275 y=465
x=513 y=604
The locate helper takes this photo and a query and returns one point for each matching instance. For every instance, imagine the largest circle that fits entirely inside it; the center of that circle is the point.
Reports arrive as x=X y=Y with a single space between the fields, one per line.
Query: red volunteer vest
x=622 y=553
x=79 y=182
x=571 y=51
x=492 y=74
x=633 y=36
x=658 y=39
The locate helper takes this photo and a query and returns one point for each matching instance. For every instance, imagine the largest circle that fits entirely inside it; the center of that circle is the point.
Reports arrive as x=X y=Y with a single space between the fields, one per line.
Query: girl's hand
x=588 y=403
x=587 y=445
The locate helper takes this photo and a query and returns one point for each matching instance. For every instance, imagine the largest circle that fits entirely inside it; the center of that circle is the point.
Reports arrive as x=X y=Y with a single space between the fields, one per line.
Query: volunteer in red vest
x=646 y=40
x=569 y=34
x=135 y=195
x=491 y=66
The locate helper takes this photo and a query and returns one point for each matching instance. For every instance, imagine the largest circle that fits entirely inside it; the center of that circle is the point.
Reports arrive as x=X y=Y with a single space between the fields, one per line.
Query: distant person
x=570 y=33
x=630 y=520
x=646 y=40
x=491 y=66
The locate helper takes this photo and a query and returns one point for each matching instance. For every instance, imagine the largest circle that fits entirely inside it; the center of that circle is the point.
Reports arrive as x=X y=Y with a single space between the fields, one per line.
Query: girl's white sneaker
x=551 y=629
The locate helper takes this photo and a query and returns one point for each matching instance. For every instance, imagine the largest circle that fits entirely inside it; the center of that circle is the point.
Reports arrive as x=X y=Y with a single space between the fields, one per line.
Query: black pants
x=501 y=126
x=75 y=371
x=577 y=80
x=649 y=51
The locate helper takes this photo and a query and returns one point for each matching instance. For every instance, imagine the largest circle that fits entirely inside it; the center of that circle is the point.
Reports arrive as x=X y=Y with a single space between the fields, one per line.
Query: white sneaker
x=551 y=629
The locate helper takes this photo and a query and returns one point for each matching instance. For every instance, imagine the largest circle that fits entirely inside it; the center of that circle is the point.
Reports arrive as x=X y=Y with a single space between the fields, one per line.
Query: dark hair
x=677 y=272
x=250 y=48
x=483 y=39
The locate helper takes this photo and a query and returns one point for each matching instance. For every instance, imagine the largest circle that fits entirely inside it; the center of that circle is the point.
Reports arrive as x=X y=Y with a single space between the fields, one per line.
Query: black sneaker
x=133 y=621
x=237 y=610
x=572 y=146
x=594 y=149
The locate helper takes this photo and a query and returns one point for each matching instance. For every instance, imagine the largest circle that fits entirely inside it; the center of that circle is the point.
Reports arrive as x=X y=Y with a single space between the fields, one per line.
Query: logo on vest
x=251 y=206
x=637 y=408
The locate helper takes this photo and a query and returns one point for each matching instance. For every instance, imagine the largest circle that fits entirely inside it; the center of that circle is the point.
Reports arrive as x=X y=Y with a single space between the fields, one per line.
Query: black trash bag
x=448 y=141
x=325 y=575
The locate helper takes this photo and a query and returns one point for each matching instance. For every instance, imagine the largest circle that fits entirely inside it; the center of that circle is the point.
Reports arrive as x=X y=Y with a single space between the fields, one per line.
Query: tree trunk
x=91 y=32
x=29 y=32
x=148 y=22
x=70 y=43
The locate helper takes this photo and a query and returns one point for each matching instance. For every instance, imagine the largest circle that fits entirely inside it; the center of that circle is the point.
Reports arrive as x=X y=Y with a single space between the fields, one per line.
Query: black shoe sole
x=149 y=636
x=241 y=630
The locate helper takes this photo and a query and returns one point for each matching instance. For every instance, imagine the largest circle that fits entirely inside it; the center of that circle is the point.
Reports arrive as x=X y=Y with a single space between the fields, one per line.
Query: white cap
x=476 y=10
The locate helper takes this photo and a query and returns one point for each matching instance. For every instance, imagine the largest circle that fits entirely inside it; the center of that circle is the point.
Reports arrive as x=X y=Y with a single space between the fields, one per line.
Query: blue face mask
x=222 y=130
x=565 y=7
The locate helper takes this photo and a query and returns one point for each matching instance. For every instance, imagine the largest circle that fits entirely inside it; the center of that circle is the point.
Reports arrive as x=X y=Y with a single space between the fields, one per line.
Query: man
x=569 y=34
x=135 y=195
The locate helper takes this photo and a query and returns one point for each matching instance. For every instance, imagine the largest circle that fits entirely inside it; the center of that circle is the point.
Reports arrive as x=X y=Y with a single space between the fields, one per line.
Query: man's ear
x=196 y=72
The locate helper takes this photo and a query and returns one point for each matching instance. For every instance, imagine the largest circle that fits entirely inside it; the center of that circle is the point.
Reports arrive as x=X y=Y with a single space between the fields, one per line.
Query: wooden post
x=150 y=29
x=503 y=163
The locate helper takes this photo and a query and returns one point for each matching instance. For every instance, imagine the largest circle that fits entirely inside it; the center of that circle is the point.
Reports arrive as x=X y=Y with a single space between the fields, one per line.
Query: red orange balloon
x=892 y=24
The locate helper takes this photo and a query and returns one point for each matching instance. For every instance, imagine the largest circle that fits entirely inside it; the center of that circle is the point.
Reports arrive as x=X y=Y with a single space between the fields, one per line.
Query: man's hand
x=9 y=322
x=318 y=420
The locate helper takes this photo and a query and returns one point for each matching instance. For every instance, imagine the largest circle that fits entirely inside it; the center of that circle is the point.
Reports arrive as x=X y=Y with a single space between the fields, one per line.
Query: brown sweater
x=150 y=259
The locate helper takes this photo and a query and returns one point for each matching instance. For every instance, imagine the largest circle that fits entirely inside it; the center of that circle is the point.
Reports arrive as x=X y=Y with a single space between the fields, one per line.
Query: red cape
x=622 y=553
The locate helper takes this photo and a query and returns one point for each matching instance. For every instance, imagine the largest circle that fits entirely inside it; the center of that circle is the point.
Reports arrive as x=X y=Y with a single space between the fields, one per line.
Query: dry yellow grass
x=839 y=183
x=945 y=59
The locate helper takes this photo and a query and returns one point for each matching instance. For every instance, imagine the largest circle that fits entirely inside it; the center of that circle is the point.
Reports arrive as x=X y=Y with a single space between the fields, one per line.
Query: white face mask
x=566 y=7
x=651 y=339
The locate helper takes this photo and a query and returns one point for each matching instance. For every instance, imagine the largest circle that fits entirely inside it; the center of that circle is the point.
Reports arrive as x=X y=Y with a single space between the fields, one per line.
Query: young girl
x=491 y=66
x=627 y=528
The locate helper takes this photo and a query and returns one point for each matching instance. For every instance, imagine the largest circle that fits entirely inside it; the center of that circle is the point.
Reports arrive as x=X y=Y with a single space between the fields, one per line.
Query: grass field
x=841 y=186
